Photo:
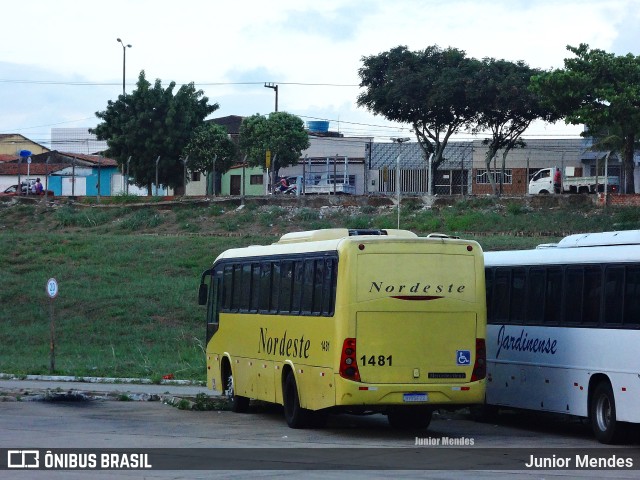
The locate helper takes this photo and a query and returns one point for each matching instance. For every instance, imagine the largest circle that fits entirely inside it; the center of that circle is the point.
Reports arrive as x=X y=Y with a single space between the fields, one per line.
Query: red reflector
x=363 y=388
x=465 y=388
x=480 y=366
x=624 y=389
x=348 y=361
x=469 y=248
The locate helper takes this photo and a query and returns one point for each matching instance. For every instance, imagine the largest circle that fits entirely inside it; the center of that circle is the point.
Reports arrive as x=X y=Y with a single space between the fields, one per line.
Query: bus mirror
x=203 y=293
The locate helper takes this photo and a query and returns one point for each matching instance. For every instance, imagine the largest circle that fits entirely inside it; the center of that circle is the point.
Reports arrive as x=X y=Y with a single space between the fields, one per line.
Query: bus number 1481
x=379 y=361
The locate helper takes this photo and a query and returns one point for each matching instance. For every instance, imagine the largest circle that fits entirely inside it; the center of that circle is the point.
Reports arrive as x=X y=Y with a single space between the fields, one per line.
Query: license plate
x=415 y=397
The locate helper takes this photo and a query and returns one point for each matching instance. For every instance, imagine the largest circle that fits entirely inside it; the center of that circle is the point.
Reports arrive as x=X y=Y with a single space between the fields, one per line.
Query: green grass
x=127 y=305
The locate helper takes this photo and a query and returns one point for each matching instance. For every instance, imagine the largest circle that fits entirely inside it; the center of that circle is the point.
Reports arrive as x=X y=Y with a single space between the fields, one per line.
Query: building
x=11 y=144
x=66 y=174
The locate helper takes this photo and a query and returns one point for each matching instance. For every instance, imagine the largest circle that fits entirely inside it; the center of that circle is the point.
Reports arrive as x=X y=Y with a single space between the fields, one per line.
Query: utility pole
x=275 y=88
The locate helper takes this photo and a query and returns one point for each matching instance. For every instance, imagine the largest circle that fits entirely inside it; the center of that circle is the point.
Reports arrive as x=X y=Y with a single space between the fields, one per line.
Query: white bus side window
x=517 y=310
x=613 y=294
x=501 y=286
x=553 y=296
x=632 y=297
x=536 y=297
x=592 y=294
x=574 y=281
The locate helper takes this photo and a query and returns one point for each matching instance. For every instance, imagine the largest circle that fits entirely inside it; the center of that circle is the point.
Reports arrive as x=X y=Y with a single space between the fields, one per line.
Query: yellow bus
x=354 y=321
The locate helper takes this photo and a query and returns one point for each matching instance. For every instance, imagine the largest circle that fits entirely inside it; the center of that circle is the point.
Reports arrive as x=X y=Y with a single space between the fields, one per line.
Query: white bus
x=564 y=329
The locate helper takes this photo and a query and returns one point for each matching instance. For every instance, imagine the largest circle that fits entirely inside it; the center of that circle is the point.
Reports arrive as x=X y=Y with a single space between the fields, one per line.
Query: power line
x=103 y=84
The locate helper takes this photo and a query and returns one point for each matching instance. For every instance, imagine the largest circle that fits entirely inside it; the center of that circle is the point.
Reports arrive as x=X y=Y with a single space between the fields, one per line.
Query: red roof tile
x=34 y=168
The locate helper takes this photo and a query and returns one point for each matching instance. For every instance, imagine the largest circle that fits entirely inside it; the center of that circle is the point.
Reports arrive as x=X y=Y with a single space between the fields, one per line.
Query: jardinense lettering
x=283 y=346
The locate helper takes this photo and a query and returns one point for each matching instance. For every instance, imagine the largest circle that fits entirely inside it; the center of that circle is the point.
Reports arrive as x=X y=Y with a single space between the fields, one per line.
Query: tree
x=152 y=122
x=282 y=133
x=433 y=90
x=507 y=106
x=601 y=91
x=210 y=150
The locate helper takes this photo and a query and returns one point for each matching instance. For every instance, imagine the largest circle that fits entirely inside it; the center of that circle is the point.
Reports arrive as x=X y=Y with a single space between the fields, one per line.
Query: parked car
x=13 y=191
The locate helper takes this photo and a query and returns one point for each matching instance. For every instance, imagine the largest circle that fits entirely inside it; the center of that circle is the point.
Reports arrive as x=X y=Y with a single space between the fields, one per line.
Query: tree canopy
x=152 y=122
x=432 y=90
x=281 y=133
x=601 y=91
x=210 y=150
x=507 y=106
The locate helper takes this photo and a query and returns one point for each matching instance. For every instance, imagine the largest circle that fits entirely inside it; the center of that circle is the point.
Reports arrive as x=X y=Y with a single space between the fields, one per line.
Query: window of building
x=256 y=180
x=482 y=176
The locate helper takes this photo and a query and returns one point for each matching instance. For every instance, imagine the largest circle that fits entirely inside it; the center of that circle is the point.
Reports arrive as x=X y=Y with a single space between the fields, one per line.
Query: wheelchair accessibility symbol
x=463 y=357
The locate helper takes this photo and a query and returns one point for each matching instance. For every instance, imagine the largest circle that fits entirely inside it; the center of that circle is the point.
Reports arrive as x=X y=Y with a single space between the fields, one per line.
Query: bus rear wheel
x=239 y=404
x=404 y=417
x=602 y=412
x=294 y=414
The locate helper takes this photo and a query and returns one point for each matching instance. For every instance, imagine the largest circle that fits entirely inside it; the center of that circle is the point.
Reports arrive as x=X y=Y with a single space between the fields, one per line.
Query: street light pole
x=275 y=88
x=124 y=61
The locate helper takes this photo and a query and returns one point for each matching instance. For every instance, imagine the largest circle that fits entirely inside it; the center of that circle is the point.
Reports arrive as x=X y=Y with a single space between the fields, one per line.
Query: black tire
x=602 y=413
x=239 y=404
x=403 y=417
x=294 y=414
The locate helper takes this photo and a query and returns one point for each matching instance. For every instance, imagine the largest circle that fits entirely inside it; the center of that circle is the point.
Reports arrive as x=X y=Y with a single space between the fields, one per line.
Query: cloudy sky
x=60 y=61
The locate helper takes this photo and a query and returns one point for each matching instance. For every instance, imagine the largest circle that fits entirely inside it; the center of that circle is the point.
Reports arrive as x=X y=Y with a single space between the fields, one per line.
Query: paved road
x=103 y=424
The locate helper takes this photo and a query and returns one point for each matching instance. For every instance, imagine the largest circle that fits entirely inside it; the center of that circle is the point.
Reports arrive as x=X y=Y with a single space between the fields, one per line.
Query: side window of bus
x=236 y=288
x=298 y=282
x=307 y=286
x=574 y=283
x=517 y=312
x=318 y=284
x=213 y=301
x=227 y=287
x=614 y=294
x=501 y=287
x=632 y=297
x=275 y=288
x=286 y=286
x=245 y=287
x=592 y=294
x=329 y=286
x=536 y=296
x=265 y=287
x=255 y=287
x=553 y=296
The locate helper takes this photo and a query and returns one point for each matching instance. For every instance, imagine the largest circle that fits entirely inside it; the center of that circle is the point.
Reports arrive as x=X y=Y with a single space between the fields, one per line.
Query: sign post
x=24 y=154
x=52 y=292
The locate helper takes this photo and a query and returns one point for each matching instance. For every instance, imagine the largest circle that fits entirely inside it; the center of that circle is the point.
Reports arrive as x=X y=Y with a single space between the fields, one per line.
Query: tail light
x=480 y=365
x=348 y=360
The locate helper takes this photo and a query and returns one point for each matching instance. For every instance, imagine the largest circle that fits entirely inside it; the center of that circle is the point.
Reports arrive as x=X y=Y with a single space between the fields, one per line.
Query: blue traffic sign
x=25 y=153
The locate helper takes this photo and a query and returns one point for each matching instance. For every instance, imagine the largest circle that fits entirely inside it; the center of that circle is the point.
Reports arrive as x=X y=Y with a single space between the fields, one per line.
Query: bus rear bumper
x=355 y=393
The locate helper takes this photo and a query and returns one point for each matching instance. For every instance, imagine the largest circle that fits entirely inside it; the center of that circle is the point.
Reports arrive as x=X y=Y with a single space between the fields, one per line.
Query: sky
x=60 y=61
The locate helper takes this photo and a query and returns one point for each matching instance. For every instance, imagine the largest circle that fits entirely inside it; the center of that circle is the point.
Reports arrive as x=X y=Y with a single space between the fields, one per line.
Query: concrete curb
x=140 y=381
